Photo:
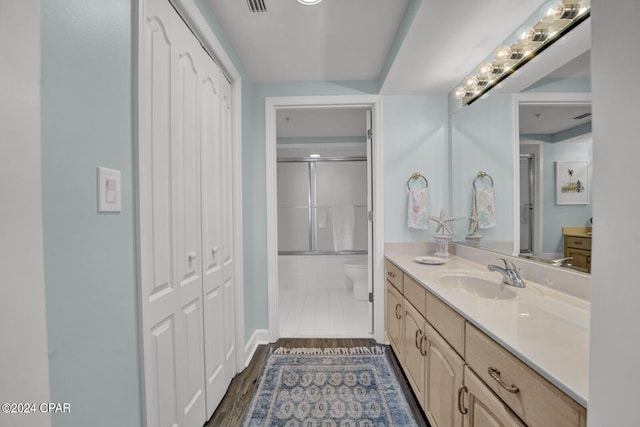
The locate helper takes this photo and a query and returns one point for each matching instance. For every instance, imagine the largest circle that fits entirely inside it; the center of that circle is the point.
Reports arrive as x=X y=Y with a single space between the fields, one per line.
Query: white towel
x=343 y=225
x=418 y=216
x=485 y=208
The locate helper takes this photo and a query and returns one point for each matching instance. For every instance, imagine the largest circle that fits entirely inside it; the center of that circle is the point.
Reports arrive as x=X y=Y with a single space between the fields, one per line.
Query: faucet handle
x=508 y=264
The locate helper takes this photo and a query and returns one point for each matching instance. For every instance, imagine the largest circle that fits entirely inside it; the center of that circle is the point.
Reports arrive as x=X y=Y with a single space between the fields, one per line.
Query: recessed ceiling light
x=313 y=156
x=309 y=2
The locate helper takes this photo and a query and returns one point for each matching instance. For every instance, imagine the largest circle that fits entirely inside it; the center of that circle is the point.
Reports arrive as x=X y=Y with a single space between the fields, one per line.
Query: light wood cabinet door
x=414 y=366
x=393 y=319
x=444 y=370
x=481 y=407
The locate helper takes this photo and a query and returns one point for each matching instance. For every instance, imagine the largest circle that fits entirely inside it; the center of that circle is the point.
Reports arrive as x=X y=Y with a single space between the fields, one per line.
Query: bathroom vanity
x=478 y=353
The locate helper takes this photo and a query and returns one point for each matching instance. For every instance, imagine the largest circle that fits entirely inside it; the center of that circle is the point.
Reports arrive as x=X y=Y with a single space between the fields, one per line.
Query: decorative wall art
x=572 y=183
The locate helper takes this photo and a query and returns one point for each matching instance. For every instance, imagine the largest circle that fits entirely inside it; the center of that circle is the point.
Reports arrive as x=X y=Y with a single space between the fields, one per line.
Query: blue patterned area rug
x=334 y=387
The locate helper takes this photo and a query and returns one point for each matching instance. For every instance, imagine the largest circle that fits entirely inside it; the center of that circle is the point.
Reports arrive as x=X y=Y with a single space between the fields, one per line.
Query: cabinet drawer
x=581 y=258
x=415 y=294
x=536 y=400
x=578 y=242
x=394 y=275
x=446 y=321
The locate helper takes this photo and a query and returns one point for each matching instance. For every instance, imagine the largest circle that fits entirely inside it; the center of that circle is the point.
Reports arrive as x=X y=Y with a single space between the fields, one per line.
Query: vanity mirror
x=517 y=134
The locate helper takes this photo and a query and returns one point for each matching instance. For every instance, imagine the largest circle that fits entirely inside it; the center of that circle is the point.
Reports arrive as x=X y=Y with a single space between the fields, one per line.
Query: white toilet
x=357 y=272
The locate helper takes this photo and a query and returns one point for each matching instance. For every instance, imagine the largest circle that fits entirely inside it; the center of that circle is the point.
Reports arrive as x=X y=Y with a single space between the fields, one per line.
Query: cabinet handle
x=390 y=274
x=422 y=349
x=495 y=374
x=461 y=408
x=418 y=333
x=398 y=316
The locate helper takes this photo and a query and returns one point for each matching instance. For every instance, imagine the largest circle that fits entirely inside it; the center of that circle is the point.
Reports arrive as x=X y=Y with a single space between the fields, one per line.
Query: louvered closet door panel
x=227 y=227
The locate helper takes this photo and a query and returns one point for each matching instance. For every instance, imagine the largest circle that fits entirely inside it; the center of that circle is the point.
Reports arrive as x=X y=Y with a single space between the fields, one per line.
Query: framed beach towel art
x=572 y=183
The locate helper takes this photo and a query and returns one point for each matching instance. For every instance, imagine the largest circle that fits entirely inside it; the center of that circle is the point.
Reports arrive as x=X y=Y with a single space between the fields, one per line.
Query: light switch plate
x=109 y=190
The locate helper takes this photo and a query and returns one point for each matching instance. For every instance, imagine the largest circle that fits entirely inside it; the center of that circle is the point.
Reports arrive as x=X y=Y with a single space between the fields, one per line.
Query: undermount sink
x=476 y=284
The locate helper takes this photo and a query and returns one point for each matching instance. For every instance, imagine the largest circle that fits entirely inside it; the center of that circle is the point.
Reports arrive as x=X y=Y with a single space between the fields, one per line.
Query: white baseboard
x=259 y=336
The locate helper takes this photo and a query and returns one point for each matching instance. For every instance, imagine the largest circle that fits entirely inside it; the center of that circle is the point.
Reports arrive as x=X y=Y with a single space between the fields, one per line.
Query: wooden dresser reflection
x=577 y=244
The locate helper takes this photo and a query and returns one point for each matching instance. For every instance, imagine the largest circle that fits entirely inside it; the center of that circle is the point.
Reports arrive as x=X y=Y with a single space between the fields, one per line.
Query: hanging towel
x=321 y=215
x=485 y=207
x=343 y=227
x=473 y=217
x=418 y=216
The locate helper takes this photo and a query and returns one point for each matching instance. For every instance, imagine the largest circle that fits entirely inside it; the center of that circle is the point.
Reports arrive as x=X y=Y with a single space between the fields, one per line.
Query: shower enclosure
x=322 y=206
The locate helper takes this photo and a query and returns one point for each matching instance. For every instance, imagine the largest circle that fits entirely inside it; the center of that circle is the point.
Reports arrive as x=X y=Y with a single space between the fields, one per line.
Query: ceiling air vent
x=582 y=116
x=257 y=6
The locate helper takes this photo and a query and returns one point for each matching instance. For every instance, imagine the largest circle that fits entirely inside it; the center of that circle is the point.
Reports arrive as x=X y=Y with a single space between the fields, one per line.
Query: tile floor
x=326 y=313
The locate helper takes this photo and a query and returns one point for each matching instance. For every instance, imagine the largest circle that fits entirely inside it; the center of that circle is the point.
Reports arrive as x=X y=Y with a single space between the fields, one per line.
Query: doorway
x=323 y=199
x=324 y=203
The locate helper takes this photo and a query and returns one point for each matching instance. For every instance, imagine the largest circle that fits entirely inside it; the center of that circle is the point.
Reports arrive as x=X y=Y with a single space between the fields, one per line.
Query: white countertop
x=546 y=329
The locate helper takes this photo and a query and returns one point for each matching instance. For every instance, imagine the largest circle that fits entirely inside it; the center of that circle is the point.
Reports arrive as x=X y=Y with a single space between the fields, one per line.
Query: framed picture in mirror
x=572 y=183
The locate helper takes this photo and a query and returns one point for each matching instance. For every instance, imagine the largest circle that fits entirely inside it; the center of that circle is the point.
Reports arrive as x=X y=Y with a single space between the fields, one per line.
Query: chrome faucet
x=510 y=273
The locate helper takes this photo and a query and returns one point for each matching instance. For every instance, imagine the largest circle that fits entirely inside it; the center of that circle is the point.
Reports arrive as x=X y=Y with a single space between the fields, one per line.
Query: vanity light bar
x=556 y=21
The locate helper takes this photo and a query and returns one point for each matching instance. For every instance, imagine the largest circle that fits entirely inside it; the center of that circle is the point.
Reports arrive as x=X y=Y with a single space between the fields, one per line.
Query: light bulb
x=565 y=11
x=470 y=82
x=485 y=69
x=459 y=92
x=502 y=53
x=534 y=35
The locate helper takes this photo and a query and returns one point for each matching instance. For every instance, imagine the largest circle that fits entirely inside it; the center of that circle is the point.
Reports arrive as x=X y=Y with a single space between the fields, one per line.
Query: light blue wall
x=415 y=138
x=90 y=261
x=558 y=216
x=482 y=140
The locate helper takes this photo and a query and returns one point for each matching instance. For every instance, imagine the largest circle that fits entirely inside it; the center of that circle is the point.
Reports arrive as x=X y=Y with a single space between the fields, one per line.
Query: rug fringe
x=328 y=351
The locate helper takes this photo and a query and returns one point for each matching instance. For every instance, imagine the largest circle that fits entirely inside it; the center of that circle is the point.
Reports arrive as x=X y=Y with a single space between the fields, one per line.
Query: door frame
x=191 y=15
x=272 y=104
x=538 y=184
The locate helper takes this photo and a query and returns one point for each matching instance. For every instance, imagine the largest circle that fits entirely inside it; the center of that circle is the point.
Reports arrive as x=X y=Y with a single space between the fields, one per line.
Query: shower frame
x=312 y=204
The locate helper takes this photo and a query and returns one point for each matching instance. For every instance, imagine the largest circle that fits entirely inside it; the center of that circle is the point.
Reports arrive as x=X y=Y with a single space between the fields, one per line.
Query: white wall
x=24 y=372
x=615 y=312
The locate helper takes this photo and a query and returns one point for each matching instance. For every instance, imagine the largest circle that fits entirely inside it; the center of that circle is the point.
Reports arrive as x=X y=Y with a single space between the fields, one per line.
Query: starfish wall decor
x=443 y=222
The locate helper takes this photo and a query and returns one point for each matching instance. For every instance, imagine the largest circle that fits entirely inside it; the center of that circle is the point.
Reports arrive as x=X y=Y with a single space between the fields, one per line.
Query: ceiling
x=551 y=119
x=291 y=42
x=438 y=42
x=408 y=46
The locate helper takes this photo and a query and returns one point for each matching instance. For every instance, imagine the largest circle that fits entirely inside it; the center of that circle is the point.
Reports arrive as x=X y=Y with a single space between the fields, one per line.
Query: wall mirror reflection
x=518 y=134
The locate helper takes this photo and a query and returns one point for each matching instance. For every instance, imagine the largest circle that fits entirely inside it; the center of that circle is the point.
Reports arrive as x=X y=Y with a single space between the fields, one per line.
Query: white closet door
x=170 y=220
x=227 y=228
x=215 y=319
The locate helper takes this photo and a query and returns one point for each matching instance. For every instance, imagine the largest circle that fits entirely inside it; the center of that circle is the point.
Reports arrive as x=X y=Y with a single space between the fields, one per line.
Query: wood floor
x=235 y=403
